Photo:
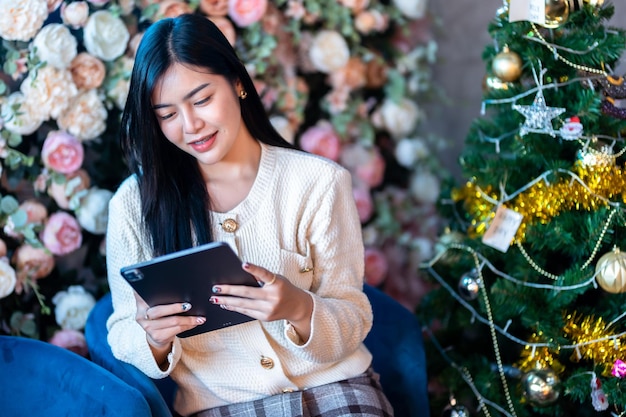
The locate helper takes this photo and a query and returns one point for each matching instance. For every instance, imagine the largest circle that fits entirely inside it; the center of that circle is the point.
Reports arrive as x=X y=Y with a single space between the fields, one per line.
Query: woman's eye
x=204 y=100
x=165 y=116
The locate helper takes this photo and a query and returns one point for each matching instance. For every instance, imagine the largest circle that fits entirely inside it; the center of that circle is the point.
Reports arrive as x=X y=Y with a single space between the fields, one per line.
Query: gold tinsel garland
x=539 y=358
x=594 y=341
x=541 y=202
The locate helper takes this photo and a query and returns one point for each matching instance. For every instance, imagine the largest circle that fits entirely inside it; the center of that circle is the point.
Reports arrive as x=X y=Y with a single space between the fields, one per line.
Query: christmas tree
x=529 y=315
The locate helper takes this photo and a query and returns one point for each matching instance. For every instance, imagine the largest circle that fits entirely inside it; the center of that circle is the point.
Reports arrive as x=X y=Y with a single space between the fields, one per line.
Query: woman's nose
x=191 y=121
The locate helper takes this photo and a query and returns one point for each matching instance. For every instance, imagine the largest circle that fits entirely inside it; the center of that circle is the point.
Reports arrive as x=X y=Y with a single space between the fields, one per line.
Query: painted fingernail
x=224 y=306
x=246 y=265
x=213 y=300
x=200 y=320
x=216 y=289
x=186 y=306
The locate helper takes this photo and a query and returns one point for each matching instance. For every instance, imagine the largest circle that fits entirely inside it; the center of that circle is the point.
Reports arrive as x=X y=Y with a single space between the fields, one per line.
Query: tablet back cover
x=188 y=276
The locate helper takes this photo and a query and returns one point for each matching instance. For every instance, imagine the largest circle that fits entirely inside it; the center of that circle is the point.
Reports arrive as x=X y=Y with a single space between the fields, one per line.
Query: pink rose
x=62 y=152
x=367 y=164
x=71 y=190
x=72 y=340
x=376 y=266
x=364 y=203
x=36 y=212
x=246 y=12
x=62 y=234
x=172 y=8
x=322 y=140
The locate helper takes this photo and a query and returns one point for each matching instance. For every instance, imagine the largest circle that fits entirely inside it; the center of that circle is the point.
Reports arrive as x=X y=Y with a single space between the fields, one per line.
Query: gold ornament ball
x=541 y=386
x=507 y=65
x=557 y=13
x=493 y=83
x=611 y=271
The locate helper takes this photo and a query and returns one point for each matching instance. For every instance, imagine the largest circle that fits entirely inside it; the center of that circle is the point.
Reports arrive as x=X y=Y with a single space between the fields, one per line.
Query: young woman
x=208 y=166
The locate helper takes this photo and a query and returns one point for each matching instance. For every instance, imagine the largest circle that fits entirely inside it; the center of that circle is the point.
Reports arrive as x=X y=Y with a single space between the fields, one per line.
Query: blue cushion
x=398 y=349
x=158 y=393
x=40 y=379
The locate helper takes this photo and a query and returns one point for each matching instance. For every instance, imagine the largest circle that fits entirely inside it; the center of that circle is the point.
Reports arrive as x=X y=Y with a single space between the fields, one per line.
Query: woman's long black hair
x=175 y=202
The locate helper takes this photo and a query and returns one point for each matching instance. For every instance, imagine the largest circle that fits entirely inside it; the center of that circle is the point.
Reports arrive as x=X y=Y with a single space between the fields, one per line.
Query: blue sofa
x=41 y=379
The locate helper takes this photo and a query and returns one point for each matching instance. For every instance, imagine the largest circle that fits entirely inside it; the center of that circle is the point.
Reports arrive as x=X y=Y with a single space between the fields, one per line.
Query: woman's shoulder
x=127 y=192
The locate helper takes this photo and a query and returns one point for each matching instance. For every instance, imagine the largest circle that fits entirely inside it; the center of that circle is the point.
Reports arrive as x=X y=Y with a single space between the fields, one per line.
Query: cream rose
x=283 y=127
x=214 y=8
x=73 y=307
x=62 y=234
x=425 y=187
x=75 y=14
x=93 y=212
x=18 y=115
x=68 y=194
x=20 y=20
x=105 y=35
x=413 y=9
x=33 y=263
x=8 y=278
x=329 y=51
x=56 y=45
x=62 y=152
x=400 y=118
x=86 y=117
x=87 y=71
x=409 y=151
x=50 y=93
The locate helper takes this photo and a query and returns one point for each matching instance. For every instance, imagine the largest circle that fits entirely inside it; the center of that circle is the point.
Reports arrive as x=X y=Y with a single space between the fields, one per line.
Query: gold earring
x=243 y=94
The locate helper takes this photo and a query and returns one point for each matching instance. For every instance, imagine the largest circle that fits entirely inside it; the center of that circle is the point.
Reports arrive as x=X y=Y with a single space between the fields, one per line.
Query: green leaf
x=8 y=204
x=19 y=218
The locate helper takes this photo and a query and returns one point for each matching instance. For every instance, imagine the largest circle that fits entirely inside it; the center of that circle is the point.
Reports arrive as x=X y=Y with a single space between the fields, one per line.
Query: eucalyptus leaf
x=8 y=204
x=19 y=218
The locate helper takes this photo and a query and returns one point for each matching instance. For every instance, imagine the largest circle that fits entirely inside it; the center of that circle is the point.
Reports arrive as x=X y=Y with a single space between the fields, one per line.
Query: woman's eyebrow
x=186 y=97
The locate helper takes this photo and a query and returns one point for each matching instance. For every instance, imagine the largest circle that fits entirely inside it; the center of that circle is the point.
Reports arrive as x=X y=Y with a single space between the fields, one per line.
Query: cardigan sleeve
x=126 y=244
x=342 y=315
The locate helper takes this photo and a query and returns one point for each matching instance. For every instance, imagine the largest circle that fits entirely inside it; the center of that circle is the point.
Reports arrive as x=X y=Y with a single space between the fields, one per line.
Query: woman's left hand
x=276 y=299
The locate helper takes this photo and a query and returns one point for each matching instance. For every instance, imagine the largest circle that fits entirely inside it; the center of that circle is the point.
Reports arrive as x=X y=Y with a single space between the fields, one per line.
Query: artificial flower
x=75 y=14
x=61 y=234
x=87 y=71
x=86 y=117
x=73 y=307
x=32 y=263
x=93 y=212
x=376 y=266
x=105 y=35
x=246 y=12
x=72 y=340
x=62 y=152
x=322 y=139
x=55 y=45
x=20 y=20
x=329 y=51
x=8 y=278
x=49 y=92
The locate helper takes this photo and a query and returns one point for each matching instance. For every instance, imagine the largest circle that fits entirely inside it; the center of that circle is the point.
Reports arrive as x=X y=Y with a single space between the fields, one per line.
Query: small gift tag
x=502 y=229
x=530 y=10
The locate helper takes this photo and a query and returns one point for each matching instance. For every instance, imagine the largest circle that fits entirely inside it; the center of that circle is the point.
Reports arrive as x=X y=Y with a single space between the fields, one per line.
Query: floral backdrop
x=344 y=79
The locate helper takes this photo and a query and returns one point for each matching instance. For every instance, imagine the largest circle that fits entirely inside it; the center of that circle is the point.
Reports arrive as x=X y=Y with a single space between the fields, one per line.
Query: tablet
x=188 y=276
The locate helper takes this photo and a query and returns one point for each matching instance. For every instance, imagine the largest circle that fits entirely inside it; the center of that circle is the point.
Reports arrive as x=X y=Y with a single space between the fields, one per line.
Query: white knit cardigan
x=298 y=220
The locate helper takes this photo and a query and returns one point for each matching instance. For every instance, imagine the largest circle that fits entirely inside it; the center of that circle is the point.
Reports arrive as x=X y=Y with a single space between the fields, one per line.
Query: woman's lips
x=204 y=144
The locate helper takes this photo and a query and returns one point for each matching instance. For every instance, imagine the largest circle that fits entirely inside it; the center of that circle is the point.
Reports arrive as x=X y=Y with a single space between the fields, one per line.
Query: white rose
x=105 y=35
x=8 y=278
x=20 y=20
x=329 y=51
x=425 y=187
x=399 y=118
x=93 y=213
x=18 y=116
x=282 y=126
x=73 y=307
x=423 y=248
x=413 y=9
x=55 y=45
x=50 y=93
x=86 y=117
x=75 y=14
x=410 y=150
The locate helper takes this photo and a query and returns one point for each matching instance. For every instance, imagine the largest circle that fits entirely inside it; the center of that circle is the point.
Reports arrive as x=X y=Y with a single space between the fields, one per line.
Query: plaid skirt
x=358 y=396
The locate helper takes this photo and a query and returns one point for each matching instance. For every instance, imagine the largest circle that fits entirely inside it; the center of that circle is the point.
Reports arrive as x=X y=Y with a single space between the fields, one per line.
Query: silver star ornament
x=538 y=116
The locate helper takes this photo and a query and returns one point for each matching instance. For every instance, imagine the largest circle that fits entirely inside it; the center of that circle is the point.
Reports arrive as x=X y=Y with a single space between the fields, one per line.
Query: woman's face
x=198 y=112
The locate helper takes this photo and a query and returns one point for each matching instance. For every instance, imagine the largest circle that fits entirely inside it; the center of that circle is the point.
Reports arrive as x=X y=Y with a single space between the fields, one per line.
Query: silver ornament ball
x=541 y=386
x=469 y=285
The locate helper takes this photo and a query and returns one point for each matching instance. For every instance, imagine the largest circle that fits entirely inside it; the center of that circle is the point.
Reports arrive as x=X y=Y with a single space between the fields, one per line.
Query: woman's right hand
x=162 y=323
